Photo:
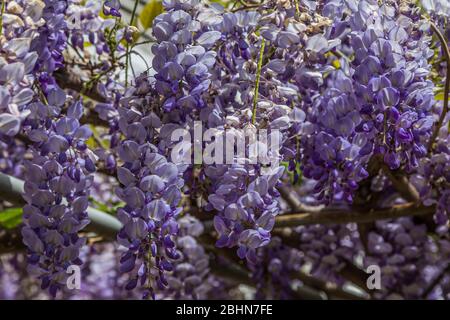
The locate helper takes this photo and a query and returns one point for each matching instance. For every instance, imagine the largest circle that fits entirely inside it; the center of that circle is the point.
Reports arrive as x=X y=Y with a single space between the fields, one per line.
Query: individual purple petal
x=125 y=176
x=152 y=183
x=32 y=241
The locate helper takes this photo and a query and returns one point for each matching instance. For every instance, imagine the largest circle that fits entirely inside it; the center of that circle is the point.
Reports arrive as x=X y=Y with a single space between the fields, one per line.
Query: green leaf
x=117 y=206
x=11 y=218
x=224 y=3
x=99 y=205
x=152 y=9
x=440 y=96
x=291 y=174
x=108 y=208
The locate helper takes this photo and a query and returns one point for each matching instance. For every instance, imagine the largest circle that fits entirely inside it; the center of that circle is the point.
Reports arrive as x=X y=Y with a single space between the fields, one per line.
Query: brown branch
x=233 y=268
x=91 y=117
x=332 y=291
x=67 y=80
x=292 y=199
x=355 y=275
x=11 y=241
x=403 y=186
x=436 y=281
x=338 y=217
x=246 y=6
x=232 y=272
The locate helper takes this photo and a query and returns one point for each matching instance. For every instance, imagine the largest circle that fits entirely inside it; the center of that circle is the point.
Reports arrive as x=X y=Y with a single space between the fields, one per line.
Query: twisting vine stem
x=149 y=262
x=127 y=58
x=258 y=76
x=1 y=16
x=297 y=8
x=447 y=85
x=342 y=217
x=436 y=281
x=245 y=5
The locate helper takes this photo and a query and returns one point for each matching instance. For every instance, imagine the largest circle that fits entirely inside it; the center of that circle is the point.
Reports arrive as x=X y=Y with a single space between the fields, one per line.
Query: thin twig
x=331 y=290
x=245 y=6
x=403 y=186
x=258 y=76
x=339 y=217
x=292 y=199
x=1 y=16
x=297 y=8
x=436 y=281
x=447 y=86
x=68 y=80
x=127 y=60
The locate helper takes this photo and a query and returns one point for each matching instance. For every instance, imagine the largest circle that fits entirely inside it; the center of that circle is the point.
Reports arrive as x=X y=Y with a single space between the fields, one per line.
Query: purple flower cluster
x=151 y=192
x=432 y=179
x=273 y=274
x=86 y=21
x=183 y=58
x=379 y=103
x=438 y=9
x=328 y=249
x=20 y=22
x=184 y=65
x=344 y=89
x=245 y=210
x=111 y=8
x=409 y=259
x=51 y=40
x=59 y=176
x=190 y=278
x=247 y=200
x=56 y=188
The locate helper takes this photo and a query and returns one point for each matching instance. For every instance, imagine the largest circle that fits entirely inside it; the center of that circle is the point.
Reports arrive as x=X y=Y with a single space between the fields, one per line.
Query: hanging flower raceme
x=20 y=24
x=409 y=259
x=56 y=189
x=439 y=11
x=60 y=173
x=380 y=103
x=191 y=277
x=237 y=227
x=432 y=179
x=289 y=113
x=151 y=190
x=183 y=57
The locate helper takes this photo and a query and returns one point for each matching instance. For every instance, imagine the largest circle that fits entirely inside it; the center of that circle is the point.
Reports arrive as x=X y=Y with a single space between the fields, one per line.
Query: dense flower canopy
x=336 y=112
